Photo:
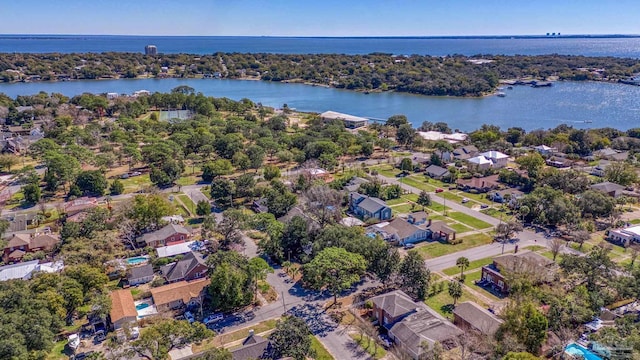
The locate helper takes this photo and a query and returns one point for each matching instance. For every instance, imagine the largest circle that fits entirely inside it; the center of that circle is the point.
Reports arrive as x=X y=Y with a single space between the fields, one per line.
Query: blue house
x=367 y=207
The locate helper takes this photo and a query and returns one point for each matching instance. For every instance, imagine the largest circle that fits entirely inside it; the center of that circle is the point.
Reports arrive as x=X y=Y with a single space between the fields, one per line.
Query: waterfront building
x=150 y=50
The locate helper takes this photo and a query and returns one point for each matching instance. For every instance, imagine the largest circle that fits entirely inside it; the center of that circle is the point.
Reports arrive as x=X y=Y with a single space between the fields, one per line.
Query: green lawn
x=418 y=183
x=481 y=198
x=436 y=249
x=411 y=197
x=634 y=221
x=398 y=201
x=405 y=208
x=320 y=351
x=368 y=345
x=186 y=200
x=472 y=265
x=450 y=196
x=58 y=351
x=443 y=303
x=437 y=207
x=469 y=220
x=223 y=339
x=135 y=183
x=459 y=228
x=386 y=170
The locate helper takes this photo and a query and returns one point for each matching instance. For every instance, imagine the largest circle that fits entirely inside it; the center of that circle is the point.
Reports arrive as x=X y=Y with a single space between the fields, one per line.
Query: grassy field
x=418 y=183
x=367 y=344
x=634 y=221
x=405 y=208
x=436 y=249
x=386 y=170
x=469 y=220
x=135 y=183
x=459 y=228
x=186 y=200
x=221 y=340
x=472 y=265
x=320 y=351
x=58 y=351
x=443 y=303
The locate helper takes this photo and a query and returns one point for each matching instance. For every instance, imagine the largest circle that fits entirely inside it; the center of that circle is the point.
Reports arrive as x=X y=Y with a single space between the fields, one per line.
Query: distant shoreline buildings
x=151 y=50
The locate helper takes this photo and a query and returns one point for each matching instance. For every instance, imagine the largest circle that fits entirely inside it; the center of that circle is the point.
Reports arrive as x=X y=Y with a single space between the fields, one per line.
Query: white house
x=498 y=159
x=625 y=236
x=480 y=162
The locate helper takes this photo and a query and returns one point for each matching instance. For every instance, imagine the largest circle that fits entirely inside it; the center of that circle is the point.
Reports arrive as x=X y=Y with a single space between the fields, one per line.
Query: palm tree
x=462 y=263
x=455 y=291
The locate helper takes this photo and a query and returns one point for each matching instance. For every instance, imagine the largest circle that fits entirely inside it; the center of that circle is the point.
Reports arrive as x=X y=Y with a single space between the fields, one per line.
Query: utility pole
x=284 y=307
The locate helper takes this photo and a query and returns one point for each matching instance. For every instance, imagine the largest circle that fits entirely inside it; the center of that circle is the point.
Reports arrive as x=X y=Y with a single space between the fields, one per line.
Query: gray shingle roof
x=396 y=303
x=478 y=317
x=178 y=270
x=372 y=204
x=253 y=347
x=435 y=170
x=140 y=272
x=165 y=232
x=425 y=326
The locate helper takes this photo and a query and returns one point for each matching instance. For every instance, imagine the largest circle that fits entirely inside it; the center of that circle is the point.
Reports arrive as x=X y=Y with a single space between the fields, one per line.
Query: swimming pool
x=575 y=349
x=137 y=260
x=142 y=306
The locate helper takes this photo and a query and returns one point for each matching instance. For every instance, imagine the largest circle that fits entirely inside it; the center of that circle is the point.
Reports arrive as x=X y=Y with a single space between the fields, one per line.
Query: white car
x=465 y=200
x=213 y=318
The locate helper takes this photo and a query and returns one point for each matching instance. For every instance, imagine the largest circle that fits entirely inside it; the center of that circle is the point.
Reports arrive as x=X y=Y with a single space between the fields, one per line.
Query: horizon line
x=544 y=35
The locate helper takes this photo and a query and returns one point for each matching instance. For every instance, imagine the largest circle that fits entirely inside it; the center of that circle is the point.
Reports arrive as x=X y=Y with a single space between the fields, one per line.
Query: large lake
x=620 y=47
x=603 y=104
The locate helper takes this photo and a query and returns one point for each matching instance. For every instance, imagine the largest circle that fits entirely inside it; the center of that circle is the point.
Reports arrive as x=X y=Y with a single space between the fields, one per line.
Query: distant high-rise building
x=151 y=50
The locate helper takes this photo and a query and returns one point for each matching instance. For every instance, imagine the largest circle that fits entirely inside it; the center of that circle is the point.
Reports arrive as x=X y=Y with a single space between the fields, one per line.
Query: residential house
x=318 y=174
x=609 y=188
x=168 y=235
x=446 y=156
x=367 y=207
x=625 y=236
x=509 y=196
x=479 y=163
x=354 y=184
x=254 y=347
x=464 y=152
x=454 y=138
x=27 y=269
x=412 y=325
x=600 y=169
x=179 y=294
x=479 y=184
x=469 y=315
x=190 y=267
x=441 y=231
x=174 y=219
x=401 y=231
x=79 y=205
x=350 y=121
x=437 y=172
x=123 y=310
x=537 y=267
x=559 y=160
x=20 y=244
x=545 y=150
x=498 y=159
x=606 y=153
x=140 y=275
x=20 y=222
x=179 y=249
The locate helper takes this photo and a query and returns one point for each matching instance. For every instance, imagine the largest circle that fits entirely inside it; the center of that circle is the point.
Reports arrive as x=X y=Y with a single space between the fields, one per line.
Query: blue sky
x=320 y=17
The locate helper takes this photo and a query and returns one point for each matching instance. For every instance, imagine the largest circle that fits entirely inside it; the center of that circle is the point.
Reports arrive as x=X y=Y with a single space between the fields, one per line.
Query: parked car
x=484 y=206
x=213 y=318
x=189 y=317
x=100 y=336
x=439 y=190
x=409 y=246
x=465 y=200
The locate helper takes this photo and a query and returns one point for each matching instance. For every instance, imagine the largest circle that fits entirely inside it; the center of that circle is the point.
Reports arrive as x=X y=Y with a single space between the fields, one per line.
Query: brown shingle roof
x=122 y=305
x=396 y=303
x=182 y=290
x=18 y=240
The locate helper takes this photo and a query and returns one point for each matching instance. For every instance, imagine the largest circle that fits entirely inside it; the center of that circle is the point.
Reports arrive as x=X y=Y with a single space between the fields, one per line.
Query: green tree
x=424 y=199
x=258 y=270
x=455 y=291
x=203 y=208
x=90 y=278
x=413 y=276
x=7 y=161
x=621 y=173
x=463 y=263
x=146 y=211
x=271 y=172
x=241 y=160
x=291 y=338
x=167 y=173
x=527 y=323
x=92 y=182
x=405 y=135
x=61 y=168
x=31 y=193
x=596 y=204
x=532 y=163
x=117 y=187
x=385 y=263
x=157 y=340
x=222 y=192
x=279 y=199
x=335 y=269
x=397 y=120
x=213 y=169
x=406 y=165
x=520 y=356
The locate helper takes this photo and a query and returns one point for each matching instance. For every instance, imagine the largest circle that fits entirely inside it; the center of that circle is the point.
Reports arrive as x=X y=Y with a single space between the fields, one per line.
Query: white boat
x=501 y=94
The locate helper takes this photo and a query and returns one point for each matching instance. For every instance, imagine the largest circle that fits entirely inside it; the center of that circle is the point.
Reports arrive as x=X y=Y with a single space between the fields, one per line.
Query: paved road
x=293 y=299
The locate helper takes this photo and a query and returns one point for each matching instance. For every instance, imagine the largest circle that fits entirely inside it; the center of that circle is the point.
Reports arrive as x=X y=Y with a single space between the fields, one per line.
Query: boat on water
x=588 y=121
x=501 y=94
x=509 y=87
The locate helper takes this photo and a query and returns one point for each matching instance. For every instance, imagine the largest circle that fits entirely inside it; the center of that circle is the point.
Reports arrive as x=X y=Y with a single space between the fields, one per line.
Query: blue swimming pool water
x=136 y=260
x=142 y=306
x=575 y=349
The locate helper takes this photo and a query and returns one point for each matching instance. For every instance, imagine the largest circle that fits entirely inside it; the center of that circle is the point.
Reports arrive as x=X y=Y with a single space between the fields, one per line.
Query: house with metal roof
x=350 y=121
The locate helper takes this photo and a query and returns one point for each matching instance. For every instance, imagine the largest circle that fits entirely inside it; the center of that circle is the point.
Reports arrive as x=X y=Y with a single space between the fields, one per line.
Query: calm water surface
x=619 y=47
x=605 y=105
